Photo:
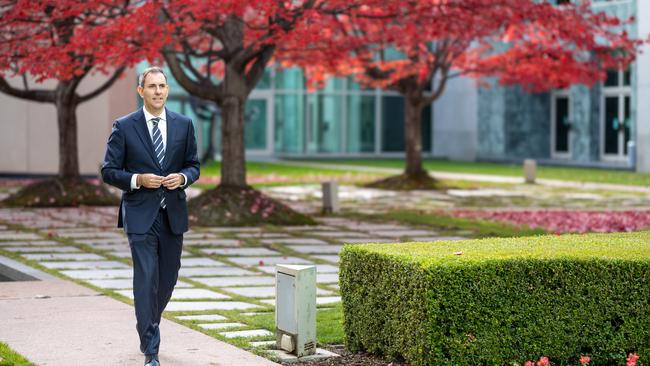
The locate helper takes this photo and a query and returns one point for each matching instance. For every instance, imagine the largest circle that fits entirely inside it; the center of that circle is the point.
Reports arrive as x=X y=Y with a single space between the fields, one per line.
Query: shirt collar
x=148 y=116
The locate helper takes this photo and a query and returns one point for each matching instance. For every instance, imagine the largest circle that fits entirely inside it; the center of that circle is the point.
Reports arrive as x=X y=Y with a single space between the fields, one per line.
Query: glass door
x=258 y=136
x=561 y=125
x=616 y=126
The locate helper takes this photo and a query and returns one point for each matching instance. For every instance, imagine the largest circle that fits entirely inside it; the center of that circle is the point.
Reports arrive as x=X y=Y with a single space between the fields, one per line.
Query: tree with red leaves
x=67 y=40
x=219 y=53
x=416 y=47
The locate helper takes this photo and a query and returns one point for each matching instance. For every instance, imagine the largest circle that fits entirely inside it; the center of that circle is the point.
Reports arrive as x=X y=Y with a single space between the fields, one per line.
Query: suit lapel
x=143 y=133
x=171 y=132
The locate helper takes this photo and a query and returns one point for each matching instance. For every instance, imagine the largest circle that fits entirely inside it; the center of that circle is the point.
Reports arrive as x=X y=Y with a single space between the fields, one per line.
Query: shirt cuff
x=134 y=182
x=185 y=180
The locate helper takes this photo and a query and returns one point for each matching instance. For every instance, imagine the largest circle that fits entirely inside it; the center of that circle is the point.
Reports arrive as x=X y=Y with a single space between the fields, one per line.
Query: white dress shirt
x=162 y=126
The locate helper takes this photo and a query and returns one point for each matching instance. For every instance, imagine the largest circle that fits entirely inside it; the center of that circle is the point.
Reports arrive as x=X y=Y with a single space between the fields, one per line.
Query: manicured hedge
x=501 y=300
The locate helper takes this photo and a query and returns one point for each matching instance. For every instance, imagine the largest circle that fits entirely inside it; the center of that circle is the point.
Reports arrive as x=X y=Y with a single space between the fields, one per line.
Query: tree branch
x=107 y=84
x=35 y=95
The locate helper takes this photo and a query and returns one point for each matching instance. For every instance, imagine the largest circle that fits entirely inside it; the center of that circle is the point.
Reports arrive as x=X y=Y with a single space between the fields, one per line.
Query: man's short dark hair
x=150 y=70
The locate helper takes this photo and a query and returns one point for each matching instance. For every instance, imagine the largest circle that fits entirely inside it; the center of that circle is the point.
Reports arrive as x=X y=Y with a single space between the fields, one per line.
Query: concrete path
x=55 y=322
x=476 y=177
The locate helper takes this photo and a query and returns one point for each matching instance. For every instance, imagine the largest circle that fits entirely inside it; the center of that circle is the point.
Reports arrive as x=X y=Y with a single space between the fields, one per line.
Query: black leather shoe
x=151 y=360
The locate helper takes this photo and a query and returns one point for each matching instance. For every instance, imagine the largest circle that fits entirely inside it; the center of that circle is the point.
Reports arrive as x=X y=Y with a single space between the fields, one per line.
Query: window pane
x=289 y=79
x=265 y=81
x=612 y=78
x=324 y=115
x=392 y=128
x=627 y=77
x=562 y=124
x=289 y=123
x=361 y=123
x=255 y=124
x=611 y=125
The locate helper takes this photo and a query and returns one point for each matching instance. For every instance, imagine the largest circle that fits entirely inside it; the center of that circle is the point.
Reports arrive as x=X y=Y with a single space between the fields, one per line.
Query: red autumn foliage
x=417 y=47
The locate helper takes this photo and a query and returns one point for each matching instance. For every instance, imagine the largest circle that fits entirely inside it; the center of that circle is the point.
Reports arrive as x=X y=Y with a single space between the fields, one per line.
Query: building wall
x=643 y=90
x=455 y=121
x=29 y=142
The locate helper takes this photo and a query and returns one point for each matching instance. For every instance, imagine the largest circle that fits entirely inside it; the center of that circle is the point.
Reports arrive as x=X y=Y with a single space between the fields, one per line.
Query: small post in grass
x=330 y=197
x=530 y=170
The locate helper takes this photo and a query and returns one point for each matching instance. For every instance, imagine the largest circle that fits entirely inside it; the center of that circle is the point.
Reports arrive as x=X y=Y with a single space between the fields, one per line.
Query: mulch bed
x=349 y=359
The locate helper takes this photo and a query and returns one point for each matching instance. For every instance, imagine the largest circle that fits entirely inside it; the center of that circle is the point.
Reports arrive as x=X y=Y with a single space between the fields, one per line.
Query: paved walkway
x=55 y=322
x=226 y=287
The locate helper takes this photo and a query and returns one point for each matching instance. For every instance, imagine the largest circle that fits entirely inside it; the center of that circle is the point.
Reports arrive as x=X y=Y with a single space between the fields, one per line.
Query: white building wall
x=29 y=138
x=643 y=89
x=455 y=121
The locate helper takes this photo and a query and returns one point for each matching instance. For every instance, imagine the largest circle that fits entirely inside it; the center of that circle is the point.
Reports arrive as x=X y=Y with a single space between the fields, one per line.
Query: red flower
x=631 y=359
x=584 y=360
x=529 y=363
x=543 y=361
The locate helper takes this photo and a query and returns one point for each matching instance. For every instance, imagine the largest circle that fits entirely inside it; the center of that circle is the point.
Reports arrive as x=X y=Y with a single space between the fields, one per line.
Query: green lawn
x=9 y=357
x=549 y=172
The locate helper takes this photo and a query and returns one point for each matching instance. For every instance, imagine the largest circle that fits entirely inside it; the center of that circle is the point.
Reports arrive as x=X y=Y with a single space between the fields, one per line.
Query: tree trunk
x=413 y=136
x=66 y=112
x=233 y=161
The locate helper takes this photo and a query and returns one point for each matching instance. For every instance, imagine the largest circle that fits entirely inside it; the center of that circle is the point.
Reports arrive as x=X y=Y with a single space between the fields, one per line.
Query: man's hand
x=173 y=181
x=149 y=180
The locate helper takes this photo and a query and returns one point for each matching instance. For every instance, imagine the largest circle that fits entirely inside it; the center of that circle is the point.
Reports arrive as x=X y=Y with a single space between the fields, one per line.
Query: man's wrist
x=135 y=181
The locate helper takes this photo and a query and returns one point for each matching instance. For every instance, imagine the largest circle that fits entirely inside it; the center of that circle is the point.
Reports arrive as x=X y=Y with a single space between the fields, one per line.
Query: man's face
x=154 y=92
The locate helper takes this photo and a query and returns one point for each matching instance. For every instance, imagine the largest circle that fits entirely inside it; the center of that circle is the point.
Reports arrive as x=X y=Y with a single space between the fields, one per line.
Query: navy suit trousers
x=156 y=261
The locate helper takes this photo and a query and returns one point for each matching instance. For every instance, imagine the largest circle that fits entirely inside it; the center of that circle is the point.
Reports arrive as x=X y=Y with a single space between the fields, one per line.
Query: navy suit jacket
x=130 y=150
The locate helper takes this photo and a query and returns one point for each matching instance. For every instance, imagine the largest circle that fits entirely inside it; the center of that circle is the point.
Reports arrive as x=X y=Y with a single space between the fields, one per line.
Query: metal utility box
x=295 y=309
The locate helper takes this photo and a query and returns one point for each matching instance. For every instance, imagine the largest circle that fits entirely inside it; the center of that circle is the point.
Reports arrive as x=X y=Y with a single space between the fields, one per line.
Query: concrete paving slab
x=327 y=278
x=316 y=249
x=185 y=294
x=99 y=274
x=221 y=325
x=85 y=265
x=199 y=262
x=235 y=281
x=127 y=283
x=263 y=344
x=205 y=318
x=36 y=243
x=228 y=229
x=250 y=251
x=213 y=242
x=247 y=333
x=77 y=327
x=363 y=240
x=340 y=234
x=18 y=235
x=268 y=261
x=64 y=256
x=208 y=305
x=409 y=233
x=213 y=271
x=262 y=235
x=264 y=292
x=330 y=258
x=299 y=241
x=47 y=249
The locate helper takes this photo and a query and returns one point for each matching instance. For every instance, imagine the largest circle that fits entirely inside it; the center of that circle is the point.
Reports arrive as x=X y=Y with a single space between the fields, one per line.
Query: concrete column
x=642 y=117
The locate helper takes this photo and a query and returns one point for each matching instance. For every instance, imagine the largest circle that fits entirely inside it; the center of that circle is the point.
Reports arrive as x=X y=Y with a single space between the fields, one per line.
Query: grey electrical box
x=295 y=309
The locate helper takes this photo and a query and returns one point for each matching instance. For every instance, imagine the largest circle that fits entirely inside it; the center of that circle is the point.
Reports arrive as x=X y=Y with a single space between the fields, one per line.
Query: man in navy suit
x=151 y=156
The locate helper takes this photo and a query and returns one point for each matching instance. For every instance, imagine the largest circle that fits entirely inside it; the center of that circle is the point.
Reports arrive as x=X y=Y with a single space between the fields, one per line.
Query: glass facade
x=283 y=118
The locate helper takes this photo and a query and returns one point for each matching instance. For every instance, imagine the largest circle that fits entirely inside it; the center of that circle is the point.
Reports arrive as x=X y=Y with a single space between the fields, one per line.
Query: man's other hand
x=149 y=180
x=173 y=181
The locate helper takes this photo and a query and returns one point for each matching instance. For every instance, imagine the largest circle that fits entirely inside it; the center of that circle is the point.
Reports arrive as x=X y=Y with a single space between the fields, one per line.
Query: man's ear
x=139 y=90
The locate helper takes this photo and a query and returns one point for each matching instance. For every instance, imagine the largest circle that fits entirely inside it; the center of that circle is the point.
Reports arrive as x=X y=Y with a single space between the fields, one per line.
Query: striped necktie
x=159 y=148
